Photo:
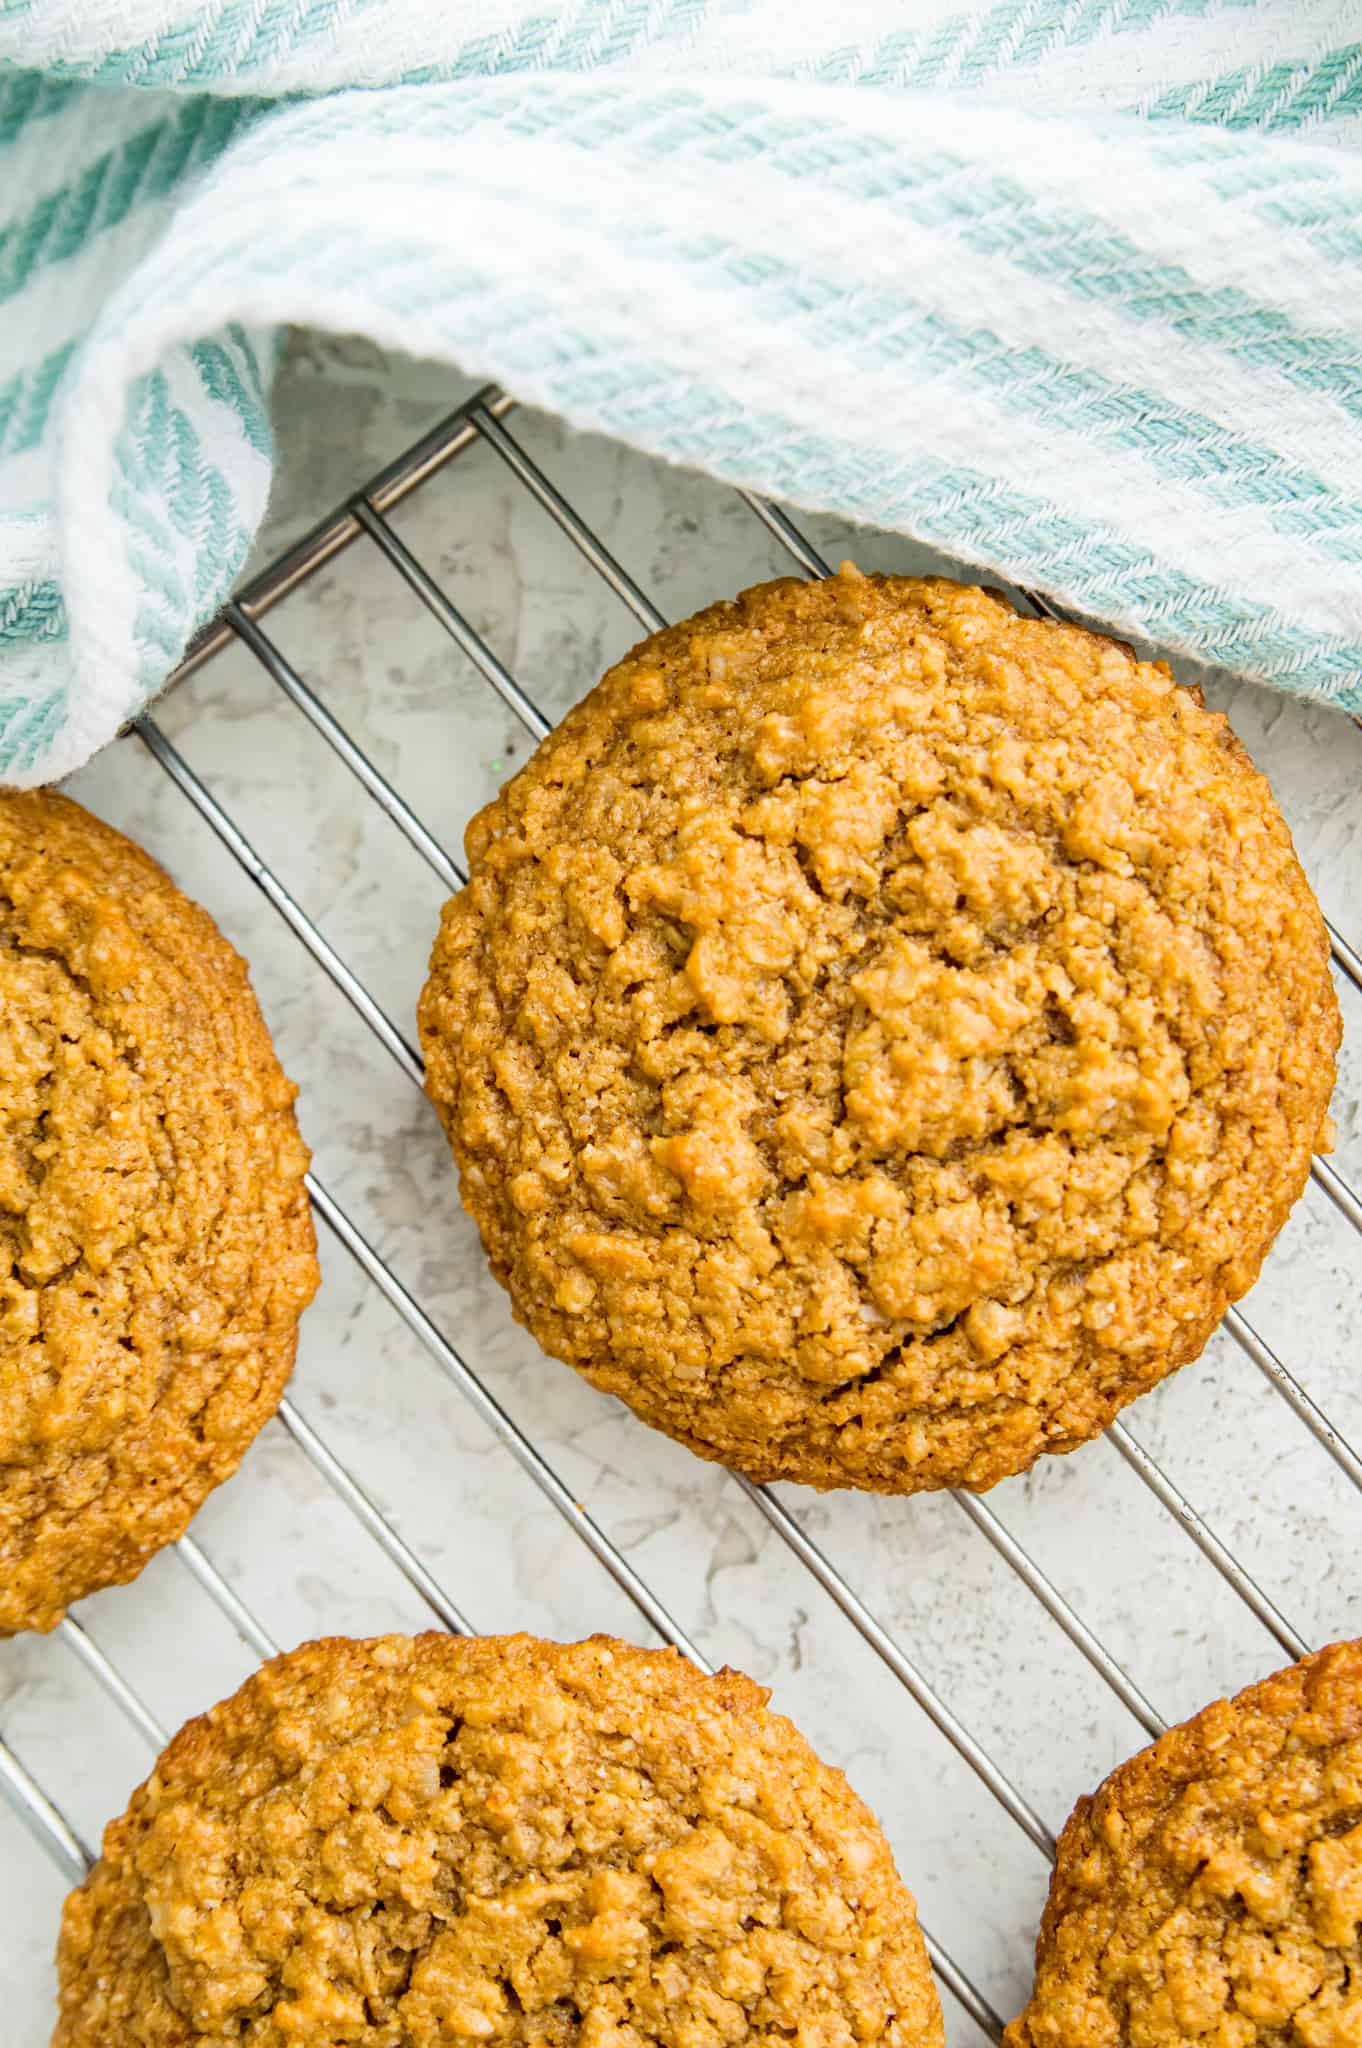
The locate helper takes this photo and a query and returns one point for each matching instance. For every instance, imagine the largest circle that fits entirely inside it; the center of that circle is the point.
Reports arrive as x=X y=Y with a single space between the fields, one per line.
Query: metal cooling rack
x=482 y=419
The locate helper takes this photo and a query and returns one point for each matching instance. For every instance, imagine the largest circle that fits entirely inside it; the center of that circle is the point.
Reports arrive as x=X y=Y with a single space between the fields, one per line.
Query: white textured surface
x=297 y=1555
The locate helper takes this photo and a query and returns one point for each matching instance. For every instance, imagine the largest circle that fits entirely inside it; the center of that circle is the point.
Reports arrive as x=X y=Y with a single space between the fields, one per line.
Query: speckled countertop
x=476 y=1520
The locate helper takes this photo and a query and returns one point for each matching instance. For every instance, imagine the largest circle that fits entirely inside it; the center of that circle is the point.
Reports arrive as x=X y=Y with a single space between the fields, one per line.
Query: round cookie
x=881 y=1033
x=417 y=1843
x=156 y=1245
x=1211 y=1891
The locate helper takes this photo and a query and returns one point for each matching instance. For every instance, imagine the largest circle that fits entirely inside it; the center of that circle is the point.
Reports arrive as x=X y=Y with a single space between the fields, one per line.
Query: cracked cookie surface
x=880 y=1033
x=156 y=1247
x=425 y=1842
x=1211 y=1890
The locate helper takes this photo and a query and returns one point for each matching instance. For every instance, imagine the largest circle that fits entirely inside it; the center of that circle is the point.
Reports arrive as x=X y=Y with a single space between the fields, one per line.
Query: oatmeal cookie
x=156 y=1246
x=1211 y=1891
x=418 y=1843
x=881 y=1033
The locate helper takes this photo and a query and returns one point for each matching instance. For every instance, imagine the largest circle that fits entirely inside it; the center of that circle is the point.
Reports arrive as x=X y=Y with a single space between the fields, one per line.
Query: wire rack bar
x=1345 y=956
x=1343 y=1197
x=968 y=1996
x=294 y=916
x=43 y=1818
x=1207 y=1542
x=1293 y=1393
x=340 y=529
x=334 y=733
x=452 y=619
x=343 y=1482
x=129 y=1703
x=796 y=544
x=232 y=1605
x=572 y=524
x=902 y=1666
x=496 y=1418
x=1059 y=1610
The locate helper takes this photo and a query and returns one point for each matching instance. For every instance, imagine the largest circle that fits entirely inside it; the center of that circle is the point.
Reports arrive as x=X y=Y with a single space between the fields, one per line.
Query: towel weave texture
x=1071 y=289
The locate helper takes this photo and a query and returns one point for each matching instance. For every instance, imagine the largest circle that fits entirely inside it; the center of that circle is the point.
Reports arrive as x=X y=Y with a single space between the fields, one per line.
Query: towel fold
x=1070 y=289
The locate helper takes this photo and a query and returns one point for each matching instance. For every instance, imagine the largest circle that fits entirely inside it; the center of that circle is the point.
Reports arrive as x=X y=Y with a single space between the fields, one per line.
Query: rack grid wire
x=482 y=419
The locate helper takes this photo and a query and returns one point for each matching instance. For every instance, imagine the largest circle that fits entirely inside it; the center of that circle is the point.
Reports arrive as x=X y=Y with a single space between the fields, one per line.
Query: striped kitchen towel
x=1071 y=289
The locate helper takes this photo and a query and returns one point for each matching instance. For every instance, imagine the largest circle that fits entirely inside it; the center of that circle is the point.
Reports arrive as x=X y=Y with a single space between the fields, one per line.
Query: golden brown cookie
x=881 y=1033
x=156 y=1246
x=429 y=1842
x=1211 y=1892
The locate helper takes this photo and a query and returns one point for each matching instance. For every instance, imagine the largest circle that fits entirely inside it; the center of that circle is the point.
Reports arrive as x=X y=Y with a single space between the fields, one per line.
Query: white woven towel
x=1070 y=288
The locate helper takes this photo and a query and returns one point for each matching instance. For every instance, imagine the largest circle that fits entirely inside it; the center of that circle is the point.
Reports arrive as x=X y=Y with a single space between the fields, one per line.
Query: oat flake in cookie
x=1211 y=1891
x=156 y=1247
x=881 y=1033
x=430 y=1842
